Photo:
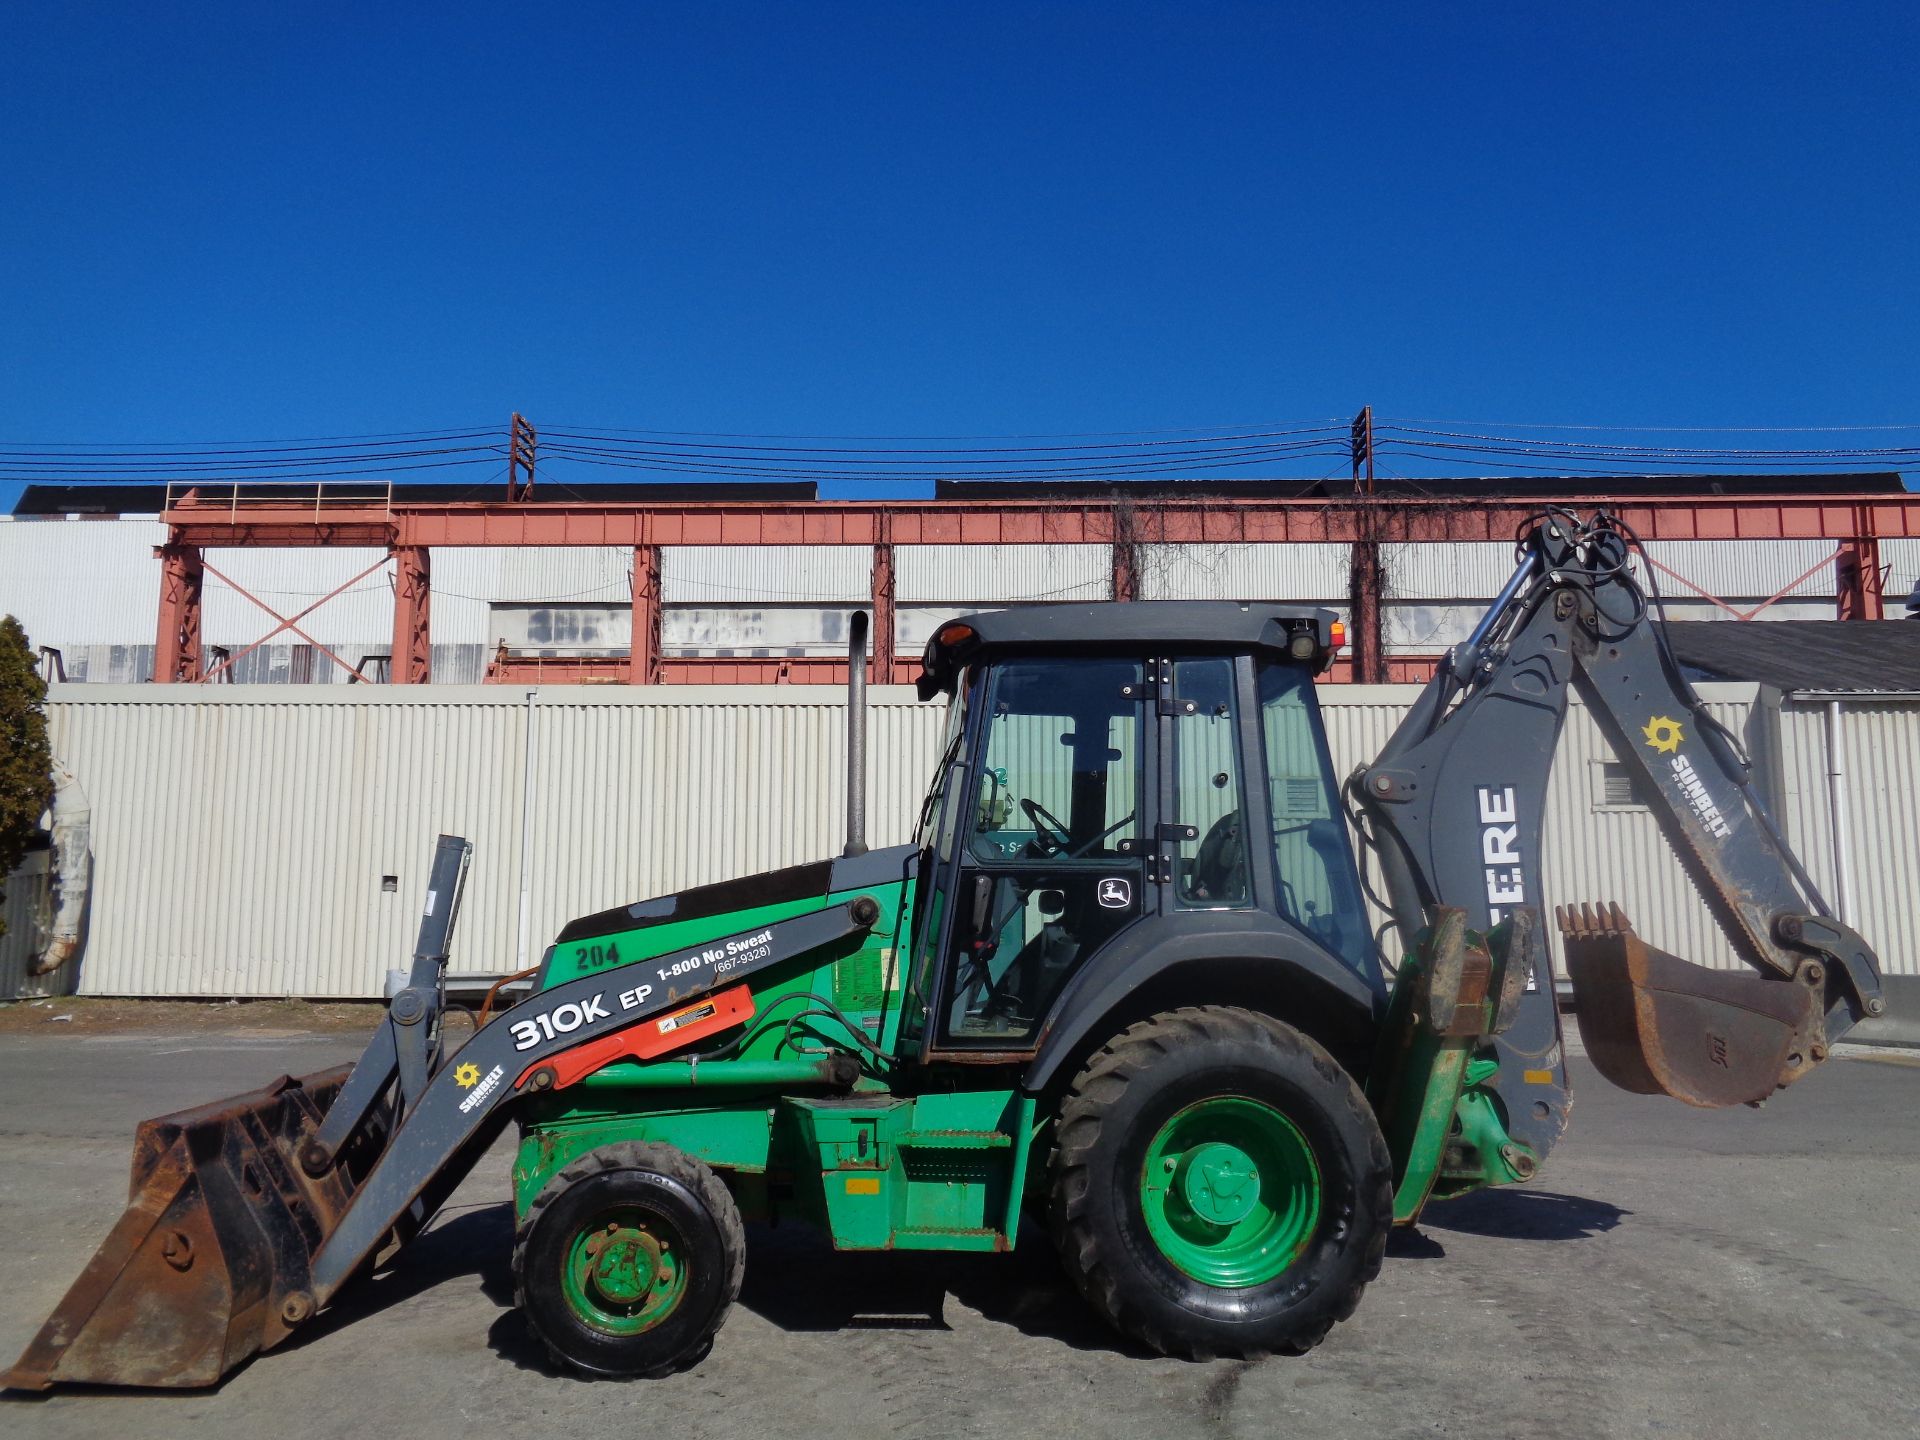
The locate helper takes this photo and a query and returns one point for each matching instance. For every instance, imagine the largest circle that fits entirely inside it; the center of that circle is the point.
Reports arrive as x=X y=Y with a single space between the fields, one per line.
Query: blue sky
x=260 y=221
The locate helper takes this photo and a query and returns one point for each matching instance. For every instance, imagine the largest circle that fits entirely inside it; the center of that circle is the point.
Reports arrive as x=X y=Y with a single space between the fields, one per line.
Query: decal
x=1500 y=850
x=481 y=1091
x=466 y=1075
x=718 y=958
x=1691 y=786
x=561 y=1020
x=1506 y=882
x=598 y=957
x=1115 y=893
x=1663 y=734
x=687 y=1017
x=687 y=973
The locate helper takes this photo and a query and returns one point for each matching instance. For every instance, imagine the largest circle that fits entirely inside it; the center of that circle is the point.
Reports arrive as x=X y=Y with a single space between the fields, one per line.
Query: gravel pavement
x=1738 y=1274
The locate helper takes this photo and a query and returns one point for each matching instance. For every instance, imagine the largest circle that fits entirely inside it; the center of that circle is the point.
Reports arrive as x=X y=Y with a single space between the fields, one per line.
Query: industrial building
x=731 y=583
x=626 y=691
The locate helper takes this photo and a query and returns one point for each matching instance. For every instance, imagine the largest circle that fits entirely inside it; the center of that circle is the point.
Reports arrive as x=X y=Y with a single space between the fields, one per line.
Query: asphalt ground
x=1671 y=1273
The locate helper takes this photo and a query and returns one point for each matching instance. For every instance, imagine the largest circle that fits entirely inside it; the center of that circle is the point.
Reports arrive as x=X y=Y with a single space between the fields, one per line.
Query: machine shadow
x=463 y=1240
x=1505 y=1214
x=798 y=1281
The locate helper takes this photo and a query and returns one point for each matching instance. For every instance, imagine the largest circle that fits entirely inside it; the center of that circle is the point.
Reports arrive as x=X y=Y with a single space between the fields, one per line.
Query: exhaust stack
x=857 y=734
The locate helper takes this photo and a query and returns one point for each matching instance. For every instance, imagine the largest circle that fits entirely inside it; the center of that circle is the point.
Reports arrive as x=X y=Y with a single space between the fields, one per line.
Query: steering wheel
x=1049 y=835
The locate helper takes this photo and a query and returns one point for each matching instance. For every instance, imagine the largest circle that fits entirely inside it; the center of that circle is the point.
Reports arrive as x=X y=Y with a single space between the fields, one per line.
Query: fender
x=1268 y=954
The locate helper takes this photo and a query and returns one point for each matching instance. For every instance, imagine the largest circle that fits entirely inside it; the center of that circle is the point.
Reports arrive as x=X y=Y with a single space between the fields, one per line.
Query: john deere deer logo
x=1115 y=894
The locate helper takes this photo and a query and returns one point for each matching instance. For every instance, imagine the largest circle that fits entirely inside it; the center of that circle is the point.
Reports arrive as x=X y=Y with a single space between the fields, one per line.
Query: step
x=938 y=1237
x=953 y=1140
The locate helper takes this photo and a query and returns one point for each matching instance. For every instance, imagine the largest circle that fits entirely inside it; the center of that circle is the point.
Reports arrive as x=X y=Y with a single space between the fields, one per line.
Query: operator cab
x=1113 y=767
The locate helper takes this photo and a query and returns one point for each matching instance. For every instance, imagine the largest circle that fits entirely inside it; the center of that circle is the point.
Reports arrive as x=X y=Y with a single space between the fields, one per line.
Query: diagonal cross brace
x=289 y=623
x=1737 y=614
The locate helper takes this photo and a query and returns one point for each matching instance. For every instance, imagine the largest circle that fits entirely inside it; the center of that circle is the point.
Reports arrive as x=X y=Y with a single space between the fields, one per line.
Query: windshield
x=938 y=814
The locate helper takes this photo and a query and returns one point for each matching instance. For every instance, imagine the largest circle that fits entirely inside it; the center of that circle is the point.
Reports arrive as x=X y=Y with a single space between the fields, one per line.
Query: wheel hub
x=625 y=1264
x=1230 y=1191
x=1221 y=1183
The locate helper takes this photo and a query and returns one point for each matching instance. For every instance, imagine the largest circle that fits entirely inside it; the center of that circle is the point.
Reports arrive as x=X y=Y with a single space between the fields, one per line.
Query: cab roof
x=1103 y=626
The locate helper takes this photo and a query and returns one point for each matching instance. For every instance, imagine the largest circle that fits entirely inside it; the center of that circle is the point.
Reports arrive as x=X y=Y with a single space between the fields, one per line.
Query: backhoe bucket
x=1658 y=1025
x=209 y=1263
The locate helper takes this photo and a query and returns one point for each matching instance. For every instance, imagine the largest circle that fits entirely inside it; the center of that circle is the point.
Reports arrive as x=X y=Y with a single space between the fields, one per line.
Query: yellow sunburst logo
x=466 y=1076
x=1663 y=734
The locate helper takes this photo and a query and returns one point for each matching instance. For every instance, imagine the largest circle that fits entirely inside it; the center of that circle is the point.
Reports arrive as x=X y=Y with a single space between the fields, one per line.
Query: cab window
x=1318 y=888
x=1060 y=776
x=1211 y=868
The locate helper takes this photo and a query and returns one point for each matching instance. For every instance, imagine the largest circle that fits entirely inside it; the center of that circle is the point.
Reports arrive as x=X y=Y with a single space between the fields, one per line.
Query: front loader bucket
x=209 y=1263
x=1658 y=1025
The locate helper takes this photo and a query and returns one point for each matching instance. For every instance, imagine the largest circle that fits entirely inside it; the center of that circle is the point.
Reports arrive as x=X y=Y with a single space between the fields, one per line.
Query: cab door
x=1053 y=854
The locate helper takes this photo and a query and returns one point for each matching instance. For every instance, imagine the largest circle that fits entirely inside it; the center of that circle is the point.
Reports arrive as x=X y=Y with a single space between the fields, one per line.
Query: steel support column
x=177 y=655
x=643 y=660
x=1126 y=556
x=1857 y=579
x=883 y=623
x=412 y=628
x=1365 y=628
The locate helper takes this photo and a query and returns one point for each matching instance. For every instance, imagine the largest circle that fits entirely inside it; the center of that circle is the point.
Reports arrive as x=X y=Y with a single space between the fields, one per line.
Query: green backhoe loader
x=1124 y=982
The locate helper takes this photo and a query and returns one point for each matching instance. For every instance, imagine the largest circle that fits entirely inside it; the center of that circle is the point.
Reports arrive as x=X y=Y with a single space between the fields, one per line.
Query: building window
x=1615 y=788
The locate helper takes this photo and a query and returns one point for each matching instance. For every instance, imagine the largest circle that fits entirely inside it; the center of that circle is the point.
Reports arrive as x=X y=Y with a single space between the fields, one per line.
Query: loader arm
x=248 y=1216
x=1453 y=808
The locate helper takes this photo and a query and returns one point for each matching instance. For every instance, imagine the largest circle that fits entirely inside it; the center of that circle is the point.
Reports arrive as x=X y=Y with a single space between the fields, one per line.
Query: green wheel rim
x=626 y=1271
x=1231 y=1192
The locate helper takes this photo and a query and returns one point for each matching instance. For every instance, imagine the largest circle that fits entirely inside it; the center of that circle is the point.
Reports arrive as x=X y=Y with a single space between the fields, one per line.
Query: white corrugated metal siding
x=1308 y=571
x=81 y=582
x=241 y=834
x=26 y=908
x=1469 y=571
x=290 y=581
x=468 y=581
x=982 y=574
x=765 y=574
x=1880 y=756
x=1746 y=568
x=1902 y=561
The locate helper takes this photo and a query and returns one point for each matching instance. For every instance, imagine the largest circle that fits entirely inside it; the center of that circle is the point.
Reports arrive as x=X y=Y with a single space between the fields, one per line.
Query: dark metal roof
x=1136 y=625
x=1859 y=655
x=1195 y=623
x=1542 y=487
x=152 y=499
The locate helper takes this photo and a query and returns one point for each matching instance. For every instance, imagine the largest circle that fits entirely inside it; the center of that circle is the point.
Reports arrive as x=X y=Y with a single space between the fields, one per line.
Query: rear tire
x=1219 y=1186
x=629 y=1260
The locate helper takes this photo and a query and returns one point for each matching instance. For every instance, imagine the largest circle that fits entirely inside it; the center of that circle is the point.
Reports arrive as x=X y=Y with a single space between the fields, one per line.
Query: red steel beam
x=643 y=654
x=177 y=656
x=1010 y=522
x=880 y=672
x=412 y=661
x=1857 y=577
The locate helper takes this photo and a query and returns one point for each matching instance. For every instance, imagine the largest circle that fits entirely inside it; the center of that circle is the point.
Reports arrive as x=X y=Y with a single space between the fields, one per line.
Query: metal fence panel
x=242 y=834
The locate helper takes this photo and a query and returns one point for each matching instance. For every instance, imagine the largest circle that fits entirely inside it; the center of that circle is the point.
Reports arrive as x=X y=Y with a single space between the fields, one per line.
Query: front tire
x=629 y=1260
x=1219 y=1186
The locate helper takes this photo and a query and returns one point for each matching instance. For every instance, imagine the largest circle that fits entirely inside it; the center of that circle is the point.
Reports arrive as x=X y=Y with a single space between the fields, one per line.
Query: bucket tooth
x=1658 y=1025
x=210 y=1261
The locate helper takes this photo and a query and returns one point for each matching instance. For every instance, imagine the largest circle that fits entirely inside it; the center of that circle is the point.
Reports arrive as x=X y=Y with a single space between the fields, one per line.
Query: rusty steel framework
x=409 y=530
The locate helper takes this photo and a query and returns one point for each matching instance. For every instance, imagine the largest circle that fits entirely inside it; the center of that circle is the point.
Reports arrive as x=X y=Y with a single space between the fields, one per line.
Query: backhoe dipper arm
x=1454 y=805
